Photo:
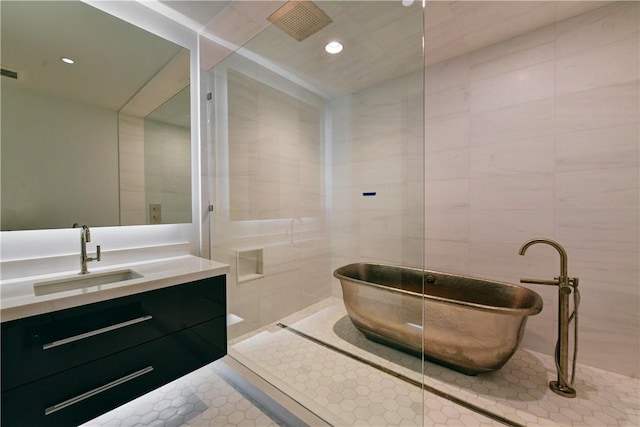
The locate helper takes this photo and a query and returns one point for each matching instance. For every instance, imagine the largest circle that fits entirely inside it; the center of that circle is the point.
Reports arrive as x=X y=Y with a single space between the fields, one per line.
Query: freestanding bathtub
x=466 y=323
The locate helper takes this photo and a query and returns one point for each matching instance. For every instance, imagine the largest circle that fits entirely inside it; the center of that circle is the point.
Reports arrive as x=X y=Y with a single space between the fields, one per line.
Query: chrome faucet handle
x=97 y=257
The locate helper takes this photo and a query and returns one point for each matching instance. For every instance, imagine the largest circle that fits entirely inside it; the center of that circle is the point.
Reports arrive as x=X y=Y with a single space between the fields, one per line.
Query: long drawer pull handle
x=96 y=332
x=55 y=408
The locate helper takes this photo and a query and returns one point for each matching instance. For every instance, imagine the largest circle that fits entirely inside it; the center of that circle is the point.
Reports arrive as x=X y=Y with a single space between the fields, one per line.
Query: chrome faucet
x=85 y=236
x=562 y=386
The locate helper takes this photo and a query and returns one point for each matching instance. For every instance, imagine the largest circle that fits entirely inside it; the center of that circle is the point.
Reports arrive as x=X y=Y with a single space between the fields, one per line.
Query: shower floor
x=320 y=359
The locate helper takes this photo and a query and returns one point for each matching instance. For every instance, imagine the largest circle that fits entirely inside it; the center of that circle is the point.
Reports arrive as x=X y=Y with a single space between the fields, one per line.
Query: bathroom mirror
x=103 y=141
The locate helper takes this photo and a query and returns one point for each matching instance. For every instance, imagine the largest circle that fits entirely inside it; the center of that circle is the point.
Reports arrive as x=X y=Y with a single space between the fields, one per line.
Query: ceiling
x=114 y=59
x=383 y=38
x=199 y=11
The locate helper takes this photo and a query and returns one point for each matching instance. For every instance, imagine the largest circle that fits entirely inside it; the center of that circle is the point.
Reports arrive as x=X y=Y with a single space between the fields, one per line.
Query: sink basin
x=84 y=281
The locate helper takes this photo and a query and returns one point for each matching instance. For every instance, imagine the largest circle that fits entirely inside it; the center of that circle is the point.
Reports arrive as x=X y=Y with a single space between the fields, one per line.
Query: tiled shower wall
x=268 y=159
x=377 y=147
x=536 y=136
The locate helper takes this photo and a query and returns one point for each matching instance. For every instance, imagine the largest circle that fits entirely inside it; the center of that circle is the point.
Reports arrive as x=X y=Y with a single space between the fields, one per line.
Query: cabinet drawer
x=40 y=346
x=80 y=394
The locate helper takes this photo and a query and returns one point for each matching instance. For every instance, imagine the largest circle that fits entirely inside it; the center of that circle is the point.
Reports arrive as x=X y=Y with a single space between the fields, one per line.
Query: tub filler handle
x=541 y=282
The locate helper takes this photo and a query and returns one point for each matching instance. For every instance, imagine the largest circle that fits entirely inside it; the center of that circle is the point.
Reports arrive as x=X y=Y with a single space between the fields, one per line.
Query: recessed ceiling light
x=67 y=60
x=333 y=47
x=407 y=2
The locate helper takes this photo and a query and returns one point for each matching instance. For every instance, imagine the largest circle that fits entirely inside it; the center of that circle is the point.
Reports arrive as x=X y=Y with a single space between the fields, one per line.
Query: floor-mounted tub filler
x=563 y=385
x=466 y=323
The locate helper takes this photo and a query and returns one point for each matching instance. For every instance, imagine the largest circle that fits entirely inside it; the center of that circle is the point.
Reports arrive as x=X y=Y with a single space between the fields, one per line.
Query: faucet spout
x=553 y=243
x=85 y=236
x=86 y=232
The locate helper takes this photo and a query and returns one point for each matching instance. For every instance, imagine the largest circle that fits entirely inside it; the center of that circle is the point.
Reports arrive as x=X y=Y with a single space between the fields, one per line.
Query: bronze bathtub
x=468 y=324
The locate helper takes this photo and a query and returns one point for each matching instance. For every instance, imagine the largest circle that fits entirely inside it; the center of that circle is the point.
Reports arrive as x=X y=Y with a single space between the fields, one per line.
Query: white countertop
x=18 y=300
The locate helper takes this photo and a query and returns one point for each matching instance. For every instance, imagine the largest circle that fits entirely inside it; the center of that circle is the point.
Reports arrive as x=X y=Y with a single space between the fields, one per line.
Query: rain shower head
x=300 y=19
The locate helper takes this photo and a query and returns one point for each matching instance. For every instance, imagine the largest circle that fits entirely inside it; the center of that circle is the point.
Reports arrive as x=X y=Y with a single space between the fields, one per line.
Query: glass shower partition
x=315 y=161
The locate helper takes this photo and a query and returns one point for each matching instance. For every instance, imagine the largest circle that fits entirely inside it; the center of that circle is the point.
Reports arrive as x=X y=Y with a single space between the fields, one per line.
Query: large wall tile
x=382 y=145
x=512 y=88
x=449 y=164
x=533 y=155
x=446 y=134
x=447 y=224
x=598 y=189
x=601 y=229
x=618 y=268
x=446 y=194
x=597 y=108
x=447 y=75
x=448 y=102
x=478 y=20
x=447 y=256
x=605 y=148
x=278 y=305
x=382 y=171
x=536 y=15
x=415 y=168
x=523 y=191
x=512 y=46
x=510 y=226
x=612 y=326
x=604 y=66
x=485 y=66
x=383 y=222
x=513 y=123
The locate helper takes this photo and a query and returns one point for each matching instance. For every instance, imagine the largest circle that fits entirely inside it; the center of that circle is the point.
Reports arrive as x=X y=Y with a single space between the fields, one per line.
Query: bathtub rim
x=536 y=308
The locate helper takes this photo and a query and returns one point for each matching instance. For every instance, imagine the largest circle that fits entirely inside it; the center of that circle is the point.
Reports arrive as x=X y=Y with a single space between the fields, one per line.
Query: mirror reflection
x=104 y=140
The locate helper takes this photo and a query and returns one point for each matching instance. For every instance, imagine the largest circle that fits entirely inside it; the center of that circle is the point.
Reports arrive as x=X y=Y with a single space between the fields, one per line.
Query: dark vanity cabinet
x=66 y=367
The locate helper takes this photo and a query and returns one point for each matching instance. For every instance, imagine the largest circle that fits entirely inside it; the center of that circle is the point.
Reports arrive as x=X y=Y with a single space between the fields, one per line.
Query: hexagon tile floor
x=319 y=357
x=201 y=398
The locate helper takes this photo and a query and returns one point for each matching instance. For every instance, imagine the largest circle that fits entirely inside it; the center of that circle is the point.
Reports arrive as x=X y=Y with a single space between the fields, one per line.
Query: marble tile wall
x=537 y=136
x=296 y=275
x=267 y=184
x=377 y=147
x=275 y=166
x=534 y=136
